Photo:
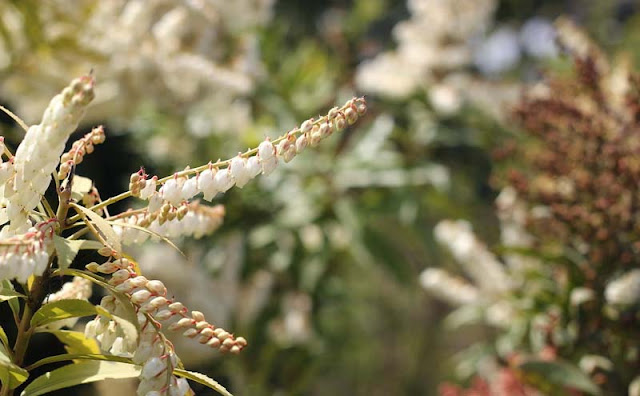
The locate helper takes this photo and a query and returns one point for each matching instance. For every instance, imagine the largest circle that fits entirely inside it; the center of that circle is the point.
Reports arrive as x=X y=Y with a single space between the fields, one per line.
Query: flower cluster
x=189 y=219
x=39 y=153
x=435 y=39
x=188 y=56
x=78 y=289
x=217 y=178
x=569 y=224
x=153 y=351
x=79 y=148
x=28 y=253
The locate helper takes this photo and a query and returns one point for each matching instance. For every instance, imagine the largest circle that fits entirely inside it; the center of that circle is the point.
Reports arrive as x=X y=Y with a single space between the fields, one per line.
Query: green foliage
x=11 y=375
x=63 y=309
x=557 y=376
x=79 y=373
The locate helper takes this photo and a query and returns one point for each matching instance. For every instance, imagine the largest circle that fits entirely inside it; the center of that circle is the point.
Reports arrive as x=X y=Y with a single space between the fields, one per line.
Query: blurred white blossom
x=436 y=38
x=187 y=60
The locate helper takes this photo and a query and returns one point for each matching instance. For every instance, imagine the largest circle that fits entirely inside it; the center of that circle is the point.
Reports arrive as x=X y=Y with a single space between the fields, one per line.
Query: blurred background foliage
x=317 y=265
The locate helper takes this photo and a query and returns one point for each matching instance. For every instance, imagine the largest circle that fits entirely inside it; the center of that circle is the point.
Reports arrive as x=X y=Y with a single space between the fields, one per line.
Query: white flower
x=171 y=191
x=206 y=183
x=238 y=169
x=189 y=188
x=625 y=290
x=223 y=180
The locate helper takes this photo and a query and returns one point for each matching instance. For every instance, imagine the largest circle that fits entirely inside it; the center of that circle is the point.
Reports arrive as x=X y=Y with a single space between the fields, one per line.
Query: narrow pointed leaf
x=559 y=373
x=79 y=373
x=76 y=342
x=77 y=357
x=103 y=227
x=14 y=304
x=62 y=309
x=3 y=338
x=11 y=375
x=202 y=379
x=128 y=312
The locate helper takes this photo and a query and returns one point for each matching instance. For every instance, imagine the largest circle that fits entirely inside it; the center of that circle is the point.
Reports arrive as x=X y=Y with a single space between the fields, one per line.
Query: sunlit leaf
x=3 y=338
x=77 y=357
x=8 y=294
x=202 y=379
x=76 y=342
x=79 y=373
x=14 y=304
x=102 y=226
x=11 y=375
x=127 y=312
x=558 y=373
x=62 y=309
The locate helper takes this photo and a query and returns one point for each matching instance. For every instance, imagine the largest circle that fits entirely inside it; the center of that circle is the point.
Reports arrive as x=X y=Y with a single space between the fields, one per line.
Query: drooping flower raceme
x=26 y=254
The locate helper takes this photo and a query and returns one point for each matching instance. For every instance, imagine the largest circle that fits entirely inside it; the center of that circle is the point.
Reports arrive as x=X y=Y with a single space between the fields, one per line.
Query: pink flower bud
x=176 y=307
x=197 y=316
x=156 y=287
x=190 y=333
x=165 y=314
x=140 y=296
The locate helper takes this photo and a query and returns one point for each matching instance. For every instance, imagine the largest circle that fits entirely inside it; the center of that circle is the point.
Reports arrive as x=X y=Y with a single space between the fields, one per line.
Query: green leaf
x=11 y=375
x=103 y=227
x=3 y=338
x=202 y=379
x=76 y=342
x=62 y=309
x=68 y=249
x=558 y=373
x=79 y=357
x=7 y=292
x=128 y=312
x=79 y=373
x=81 y=186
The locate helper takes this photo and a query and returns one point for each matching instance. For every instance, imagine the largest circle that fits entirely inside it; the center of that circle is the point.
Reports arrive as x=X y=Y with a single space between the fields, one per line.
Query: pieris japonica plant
x=40 y=240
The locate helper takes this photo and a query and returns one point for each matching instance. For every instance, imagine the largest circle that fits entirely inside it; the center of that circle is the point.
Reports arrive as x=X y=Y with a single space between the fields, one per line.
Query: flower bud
x=197 y=316
x=156 y=287
x=140 y=296
x=176 y=307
